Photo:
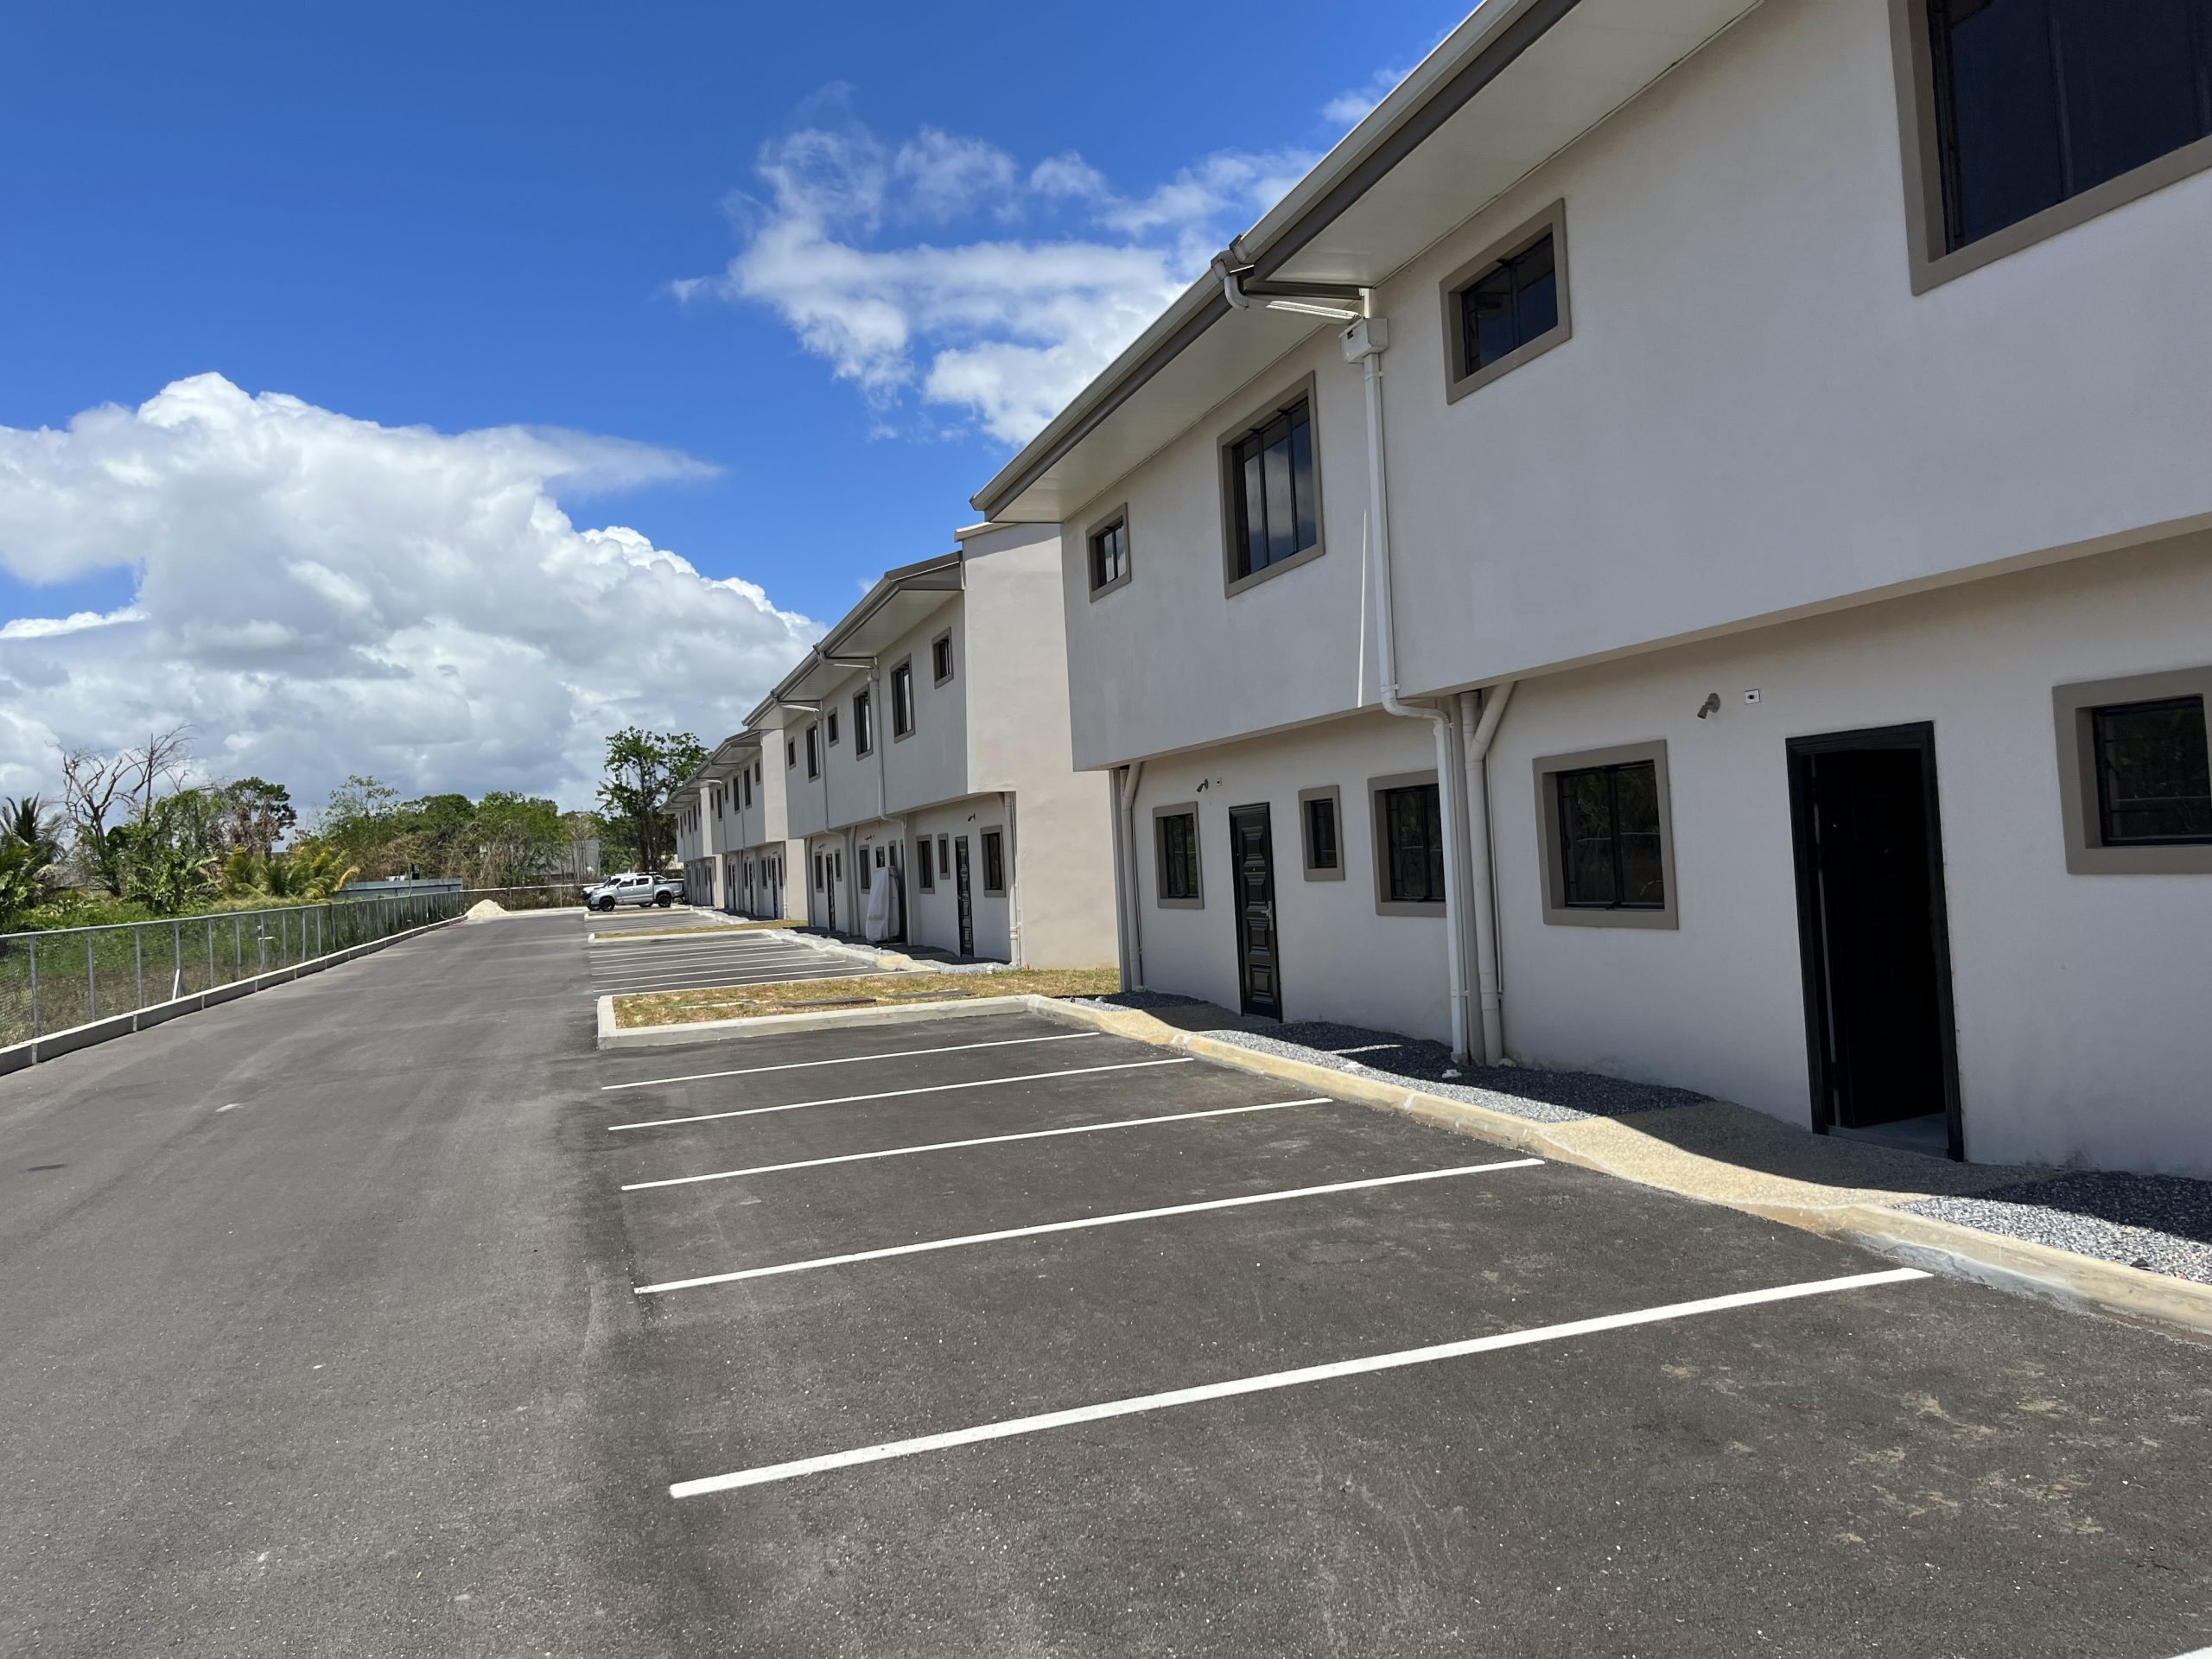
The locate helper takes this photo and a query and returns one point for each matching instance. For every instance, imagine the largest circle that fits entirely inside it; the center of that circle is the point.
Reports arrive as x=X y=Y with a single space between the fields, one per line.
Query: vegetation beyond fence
x=551 y=896
x=59 y=977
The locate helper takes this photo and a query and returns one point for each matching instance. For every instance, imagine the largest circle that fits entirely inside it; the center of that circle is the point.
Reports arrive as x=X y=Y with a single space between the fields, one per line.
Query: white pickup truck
x=632 y=888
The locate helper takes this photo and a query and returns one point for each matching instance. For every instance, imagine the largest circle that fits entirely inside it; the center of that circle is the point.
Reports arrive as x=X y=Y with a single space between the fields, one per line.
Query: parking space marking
x=980 y=1141
x=850 y=1059
x=677 y=950
x=796 y=967
x=768 y=1473
x=711 y=976
x=895 y=1093
x=928 y=1245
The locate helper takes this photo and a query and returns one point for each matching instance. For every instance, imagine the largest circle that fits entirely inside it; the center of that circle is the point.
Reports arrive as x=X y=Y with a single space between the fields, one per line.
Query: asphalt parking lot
x=711 y=957
x=346 y=1319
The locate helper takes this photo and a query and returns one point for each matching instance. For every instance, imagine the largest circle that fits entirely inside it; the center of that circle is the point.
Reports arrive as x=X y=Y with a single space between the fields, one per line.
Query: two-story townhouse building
x=924 y=742
x=1727 y=597
x=740 y=858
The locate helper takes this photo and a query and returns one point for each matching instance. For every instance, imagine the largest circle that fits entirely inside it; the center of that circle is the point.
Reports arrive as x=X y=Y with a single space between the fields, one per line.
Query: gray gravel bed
x=1138 y=1000
x=2160 y=1223
x=1540 y=1096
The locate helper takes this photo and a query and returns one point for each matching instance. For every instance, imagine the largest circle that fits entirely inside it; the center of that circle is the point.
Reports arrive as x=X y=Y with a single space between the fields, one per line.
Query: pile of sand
x=485 y=910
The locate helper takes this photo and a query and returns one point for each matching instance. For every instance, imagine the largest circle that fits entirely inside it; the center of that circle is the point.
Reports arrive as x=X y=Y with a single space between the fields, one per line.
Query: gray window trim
x=1547 y=768
x=1384 y=905
x=891 y=693
x=983 y=863
x=2086 y=853
x=951 y=667
x=864 y=728
x=1334 y=797
x=1105 y=521
x=1923 y=185
x=1308 y=388
x=1159 y=860
x=1551 y=222
x=832 y=726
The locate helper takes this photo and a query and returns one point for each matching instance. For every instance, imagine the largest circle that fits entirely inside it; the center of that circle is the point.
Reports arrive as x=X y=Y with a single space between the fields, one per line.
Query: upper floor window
x=830 y=719
x=941 y=657
x=1272 y=491
x=745 y=779
x=2038 y=101
x=1507 y=304
x=1109 y=555
x=902 y=700
x=813 y=751
x=863 y=723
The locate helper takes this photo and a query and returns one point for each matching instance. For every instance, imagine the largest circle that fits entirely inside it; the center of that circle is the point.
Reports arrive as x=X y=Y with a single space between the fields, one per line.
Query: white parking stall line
x=896 y=1094
x=710 y=981
x=659 y=959
x=979 y=1140
x=849 y=1059
x=688 y=947
x=929 y=1245
x=1367 y=1366
x=832 y=966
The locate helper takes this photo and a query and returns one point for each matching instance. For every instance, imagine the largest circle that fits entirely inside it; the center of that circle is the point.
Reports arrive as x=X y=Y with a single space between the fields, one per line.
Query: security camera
x=1710 y=707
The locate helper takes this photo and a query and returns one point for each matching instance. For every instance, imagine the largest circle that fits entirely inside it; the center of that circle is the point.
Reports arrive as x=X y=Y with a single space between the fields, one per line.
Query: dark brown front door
x=963 y=895
x=1251 y=844
x=1872 y=931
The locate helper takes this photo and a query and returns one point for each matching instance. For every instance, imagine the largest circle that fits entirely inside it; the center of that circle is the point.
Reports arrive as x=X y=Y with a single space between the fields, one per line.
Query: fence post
x=210 y=985
x=138 y=960
x=176 y=960
x=92 y=983
x=237 y=947
x=35 y=1031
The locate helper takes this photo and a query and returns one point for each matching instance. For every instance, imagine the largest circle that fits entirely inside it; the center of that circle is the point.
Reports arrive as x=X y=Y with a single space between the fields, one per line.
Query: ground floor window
x=943 y=856
x=1175 y=830
x=1318 y=815
x=2135 y=774
x=925 y=868
x=1608 y=855
x=994 y=861
x=1409 y=849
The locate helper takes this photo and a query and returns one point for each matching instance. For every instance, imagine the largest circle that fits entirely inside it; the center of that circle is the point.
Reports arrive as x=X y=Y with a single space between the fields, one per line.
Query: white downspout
x=1484 y=899
x=1013 y=885
x=1133 y=904
x=1364 y=342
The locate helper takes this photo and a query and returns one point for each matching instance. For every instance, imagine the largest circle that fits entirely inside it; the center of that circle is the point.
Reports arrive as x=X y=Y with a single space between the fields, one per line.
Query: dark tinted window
x=1179 y=857
x=2038 y=100
x=863 y=722
x=1609 y=838
x=1515 y=302
x=1321 y=833
x=2154 y=772
x=1110 y=554
x=993 y=862
x=902 y=700
x=941 y=659
x=943 y=856
x=1412 y=822
x=1273 y=490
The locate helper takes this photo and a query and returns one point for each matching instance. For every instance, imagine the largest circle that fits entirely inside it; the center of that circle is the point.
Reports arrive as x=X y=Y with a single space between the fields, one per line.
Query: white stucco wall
x=2081 y=1000
x=1339 y=959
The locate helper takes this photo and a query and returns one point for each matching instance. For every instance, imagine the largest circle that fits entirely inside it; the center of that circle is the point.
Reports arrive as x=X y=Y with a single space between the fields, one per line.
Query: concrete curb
x=2053 y=1275
x=763 y=1024
x=17 y=1056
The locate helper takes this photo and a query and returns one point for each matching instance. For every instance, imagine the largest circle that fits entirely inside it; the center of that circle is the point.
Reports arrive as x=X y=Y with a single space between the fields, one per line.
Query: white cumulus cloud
x=318 y=595
x=842 y=240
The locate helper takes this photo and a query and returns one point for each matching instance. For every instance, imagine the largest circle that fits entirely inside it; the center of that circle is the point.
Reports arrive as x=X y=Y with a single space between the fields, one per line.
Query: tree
x=361 y=821
x=261 y=814
x=517 y=837
x=29 y=822
x=91 y=785
x=642 y=768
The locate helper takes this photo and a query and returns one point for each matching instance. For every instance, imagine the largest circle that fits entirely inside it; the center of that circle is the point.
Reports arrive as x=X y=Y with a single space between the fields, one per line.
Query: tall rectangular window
x=2154 y=773
x=945 y=857
x=902 y=700
x=1273 y=497
x=2038 y=101
x=813 y=751
x=1609 y=838
x=1177 y=832
x=1410 y=836
x=831 y=718
x=1320 y=833
x=994 y=861
x=1109 y=555
x=941 y=659
x=925 y=867
x=863 y=723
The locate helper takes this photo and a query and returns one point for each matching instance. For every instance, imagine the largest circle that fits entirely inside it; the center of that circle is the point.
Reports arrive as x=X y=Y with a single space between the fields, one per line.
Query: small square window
x=902 y=700
x=1175 y=830
x=1320 y=818
x=1108 y=554
x=2135 y=774
x=941 y=657
x=1409 y=849
x=1507 y=305
x=994 y=861
x=1607 y=849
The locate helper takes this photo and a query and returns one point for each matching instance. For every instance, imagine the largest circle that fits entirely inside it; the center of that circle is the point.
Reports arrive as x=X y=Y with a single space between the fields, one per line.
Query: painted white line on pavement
x=654 y=964
x=680 y=948
x=980 y=1141
x=895 y=1093
x=701 y=978
x=1146 y=1402
x=1283 y=1196
x=849 y=1059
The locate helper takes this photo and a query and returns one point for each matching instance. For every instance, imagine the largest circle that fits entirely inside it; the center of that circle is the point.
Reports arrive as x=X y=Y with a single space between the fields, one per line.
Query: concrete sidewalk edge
x=2055 y=1275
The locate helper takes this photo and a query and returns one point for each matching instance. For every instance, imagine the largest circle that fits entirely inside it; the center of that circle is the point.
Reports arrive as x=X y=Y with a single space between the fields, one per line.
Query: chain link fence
x=53 y=980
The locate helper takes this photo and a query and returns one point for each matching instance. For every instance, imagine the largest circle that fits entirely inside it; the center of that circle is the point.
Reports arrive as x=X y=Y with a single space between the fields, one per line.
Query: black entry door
x=963 y=896
x=1872 y=932
x=1251 y=843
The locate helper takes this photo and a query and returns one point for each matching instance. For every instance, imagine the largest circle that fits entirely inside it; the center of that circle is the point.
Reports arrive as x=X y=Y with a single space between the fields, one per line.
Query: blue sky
x=841 y=259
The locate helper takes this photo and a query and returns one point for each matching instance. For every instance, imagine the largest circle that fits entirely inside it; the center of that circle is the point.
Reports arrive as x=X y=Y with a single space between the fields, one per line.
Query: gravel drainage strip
x=2162 y=1223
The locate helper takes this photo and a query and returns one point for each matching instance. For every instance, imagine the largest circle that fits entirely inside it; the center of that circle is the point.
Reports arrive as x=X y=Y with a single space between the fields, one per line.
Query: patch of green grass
x=804 y=995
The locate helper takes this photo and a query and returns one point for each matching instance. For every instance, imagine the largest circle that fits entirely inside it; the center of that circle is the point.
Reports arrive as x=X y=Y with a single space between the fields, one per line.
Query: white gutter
x=1133 y=903
x=1483 y=898
x=1364 y=343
